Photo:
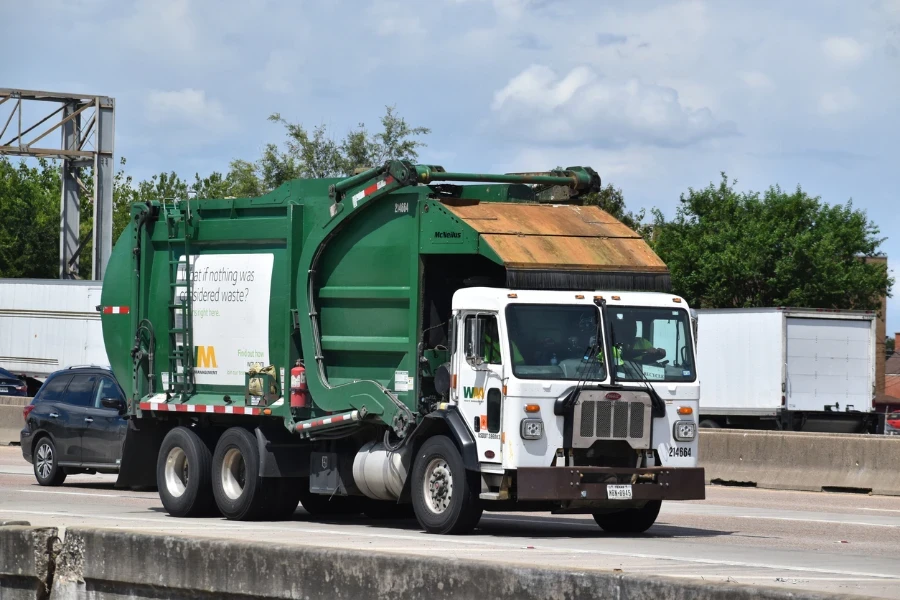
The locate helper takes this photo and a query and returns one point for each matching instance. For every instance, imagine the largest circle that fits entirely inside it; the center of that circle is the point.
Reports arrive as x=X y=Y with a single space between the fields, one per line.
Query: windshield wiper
x=659 y=405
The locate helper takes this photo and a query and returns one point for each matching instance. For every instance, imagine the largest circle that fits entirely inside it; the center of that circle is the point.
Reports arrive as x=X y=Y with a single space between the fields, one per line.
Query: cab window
x=490 y=342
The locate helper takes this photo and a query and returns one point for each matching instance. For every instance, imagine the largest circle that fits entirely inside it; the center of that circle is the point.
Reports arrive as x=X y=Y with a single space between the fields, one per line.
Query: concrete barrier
x=802 y=461
x=26 y=561
x=11 y=418
x=95 y=564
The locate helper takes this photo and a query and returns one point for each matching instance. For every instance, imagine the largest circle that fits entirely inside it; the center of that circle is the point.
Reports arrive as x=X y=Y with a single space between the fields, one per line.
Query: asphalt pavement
x=844 y=543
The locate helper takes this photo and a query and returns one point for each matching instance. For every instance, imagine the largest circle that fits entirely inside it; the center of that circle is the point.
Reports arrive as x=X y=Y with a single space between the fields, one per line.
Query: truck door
x=480 y=381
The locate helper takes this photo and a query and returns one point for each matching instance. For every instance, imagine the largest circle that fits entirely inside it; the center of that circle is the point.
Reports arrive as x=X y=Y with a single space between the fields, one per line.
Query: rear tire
x=631 y=520
x=46 y=464
x=443 y=492
x=285 y=498
x=240 y=493
x=183 y=474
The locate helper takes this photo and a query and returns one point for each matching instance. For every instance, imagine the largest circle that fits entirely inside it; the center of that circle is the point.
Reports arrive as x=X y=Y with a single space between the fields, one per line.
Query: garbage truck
x=403 y=342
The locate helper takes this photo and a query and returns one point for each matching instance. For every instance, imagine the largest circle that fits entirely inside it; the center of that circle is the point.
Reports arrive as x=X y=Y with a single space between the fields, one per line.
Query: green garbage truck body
x=398 y=342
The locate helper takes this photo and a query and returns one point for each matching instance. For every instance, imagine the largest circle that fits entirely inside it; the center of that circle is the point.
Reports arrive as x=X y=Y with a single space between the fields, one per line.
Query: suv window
x=107 y=388
x=81 y=390
x=53 y=390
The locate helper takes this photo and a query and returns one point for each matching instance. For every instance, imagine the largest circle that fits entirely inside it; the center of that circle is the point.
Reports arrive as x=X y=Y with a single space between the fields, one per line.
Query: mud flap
x=139 y=453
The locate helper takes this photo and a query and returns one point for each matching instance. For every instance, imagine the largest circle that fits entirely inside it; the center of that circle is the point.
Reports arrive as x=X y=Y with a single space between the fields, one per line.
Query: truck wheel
x=387 y=509
x=631 y=520
x=710 y=424
x=443 y=492
x=46 y=466
x=183 y=474
x=321 y=505
x=240 y=493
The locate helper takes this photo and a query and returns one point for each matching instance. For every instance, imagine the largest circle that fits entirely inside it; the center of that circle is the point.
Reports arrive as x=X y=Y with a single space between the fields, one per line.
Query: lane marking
x=154 y=497
x=882 y=509
x=829 y=521
x=339 y=534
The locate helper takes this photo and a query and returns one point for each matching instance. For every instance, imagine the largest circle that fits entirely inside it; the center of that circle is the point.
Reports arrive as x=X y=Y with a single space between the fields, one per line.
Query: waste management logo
x=476 y=393
x=205 y=360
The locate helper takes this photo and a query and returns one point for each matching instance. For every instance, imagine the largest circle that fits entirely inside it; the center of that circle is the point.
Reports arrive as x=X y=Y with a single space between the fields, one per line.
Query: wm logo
x=205 y=357
x=476 y=393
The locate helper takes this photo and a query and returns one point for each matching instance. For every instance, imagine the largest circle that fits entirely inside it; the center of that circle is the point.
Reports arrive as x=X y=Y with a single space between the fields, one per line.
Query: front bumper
x=590 y=483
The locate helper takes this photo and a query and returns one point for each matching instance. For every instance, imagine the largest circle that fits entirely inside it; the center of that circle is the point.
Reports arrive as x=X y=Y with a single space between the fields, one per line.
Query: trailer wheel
x=240 y=493
x=183 y=474
x=631 y=520
x=443 y=492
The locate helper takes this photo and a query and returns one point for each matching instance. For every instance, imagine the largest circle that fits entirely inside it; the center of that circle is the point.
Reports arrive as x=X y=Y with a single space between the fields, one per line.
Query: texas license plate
x=618 y=492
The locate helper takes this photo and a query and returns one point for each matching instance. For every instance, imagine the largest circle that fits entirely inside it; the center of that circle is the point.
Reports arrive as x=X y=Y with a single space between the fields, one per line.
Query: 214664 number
x=680 y=451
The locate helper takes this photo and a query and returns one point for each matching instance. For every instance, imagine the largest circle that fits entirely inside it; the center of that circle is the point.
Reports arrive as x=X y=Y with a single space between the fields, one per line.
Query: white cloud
x=837 y=101
x=581 y=107
x=843 y=51
x=187 y=107
x=280 y=72
x=756 y=80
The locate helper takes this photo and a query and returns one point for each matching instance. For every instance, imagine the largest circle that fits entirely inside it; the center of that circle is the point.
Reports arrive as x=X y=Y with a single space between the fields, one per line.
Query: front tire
x=630 y=520
x=240 y=493
x=183 y=474
x=444 y=494
x=46 y=465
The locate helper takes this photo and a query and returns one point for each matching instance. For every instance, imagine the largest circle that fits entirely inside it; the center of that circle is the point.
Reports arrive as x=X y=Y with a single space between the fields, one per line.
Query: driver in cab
x=634 y=347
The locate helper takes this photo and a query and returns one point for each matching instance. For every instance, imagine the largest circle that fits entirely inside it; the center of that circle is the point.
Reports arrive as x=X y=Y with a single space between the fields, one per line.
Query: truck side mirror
x=474 y=341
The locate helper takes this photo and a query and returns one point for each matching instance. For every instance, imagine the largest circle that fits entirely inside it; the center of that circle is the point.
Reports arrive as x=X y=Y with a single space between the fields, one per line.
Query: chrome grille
x=600 y=419
x=587 y=420
x=604 y=418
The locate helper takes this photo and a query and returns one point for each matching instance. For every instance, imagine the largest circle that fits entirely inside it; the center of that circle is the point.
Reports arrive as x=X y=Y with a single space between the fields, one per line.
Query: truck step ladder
x=179 y=227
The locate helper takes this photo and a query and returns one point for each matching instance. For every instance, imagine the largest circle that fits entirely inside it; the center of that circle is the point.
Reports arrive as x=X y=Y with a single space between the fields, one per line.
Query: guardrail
x=93 y=563
x=11 y=418
x=802 y=461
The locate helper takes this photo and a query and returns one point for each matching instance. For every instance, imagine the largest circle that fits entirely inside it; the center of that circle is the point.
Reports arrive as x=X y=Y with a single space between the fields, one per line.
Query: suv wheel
x=46 y=466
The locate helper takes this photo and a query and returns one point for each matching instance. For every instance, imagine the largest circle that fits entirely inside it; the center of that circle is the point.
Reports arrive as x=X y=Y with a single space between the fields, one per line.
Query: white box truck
x=48 y=324
x=795 y=369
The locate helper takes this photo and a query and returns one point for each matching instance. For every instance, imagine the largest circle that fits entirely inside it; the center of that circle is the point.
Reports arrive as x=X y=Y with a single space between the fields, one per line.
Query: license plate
x=4 y=390
x=618 y=492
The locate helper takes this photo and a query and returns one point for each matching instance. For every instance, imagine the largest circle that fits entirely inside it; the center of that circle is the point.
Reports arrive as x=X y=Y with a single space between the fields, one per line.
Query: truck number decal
x=401 y=207
x=680 y=451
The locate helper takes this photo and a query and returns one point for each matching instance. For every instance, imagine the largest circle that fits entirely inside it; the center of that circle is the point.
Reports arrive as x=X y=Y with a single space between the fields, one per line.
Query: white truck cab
x=593 y=380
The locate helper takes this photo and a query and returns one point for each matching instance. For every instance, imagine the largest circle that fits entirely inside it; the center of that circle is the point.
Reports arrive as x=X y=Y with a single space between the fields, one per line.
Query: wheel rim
x=438 y=486
x=176 y=472
x=44 y=460
x=234 y=473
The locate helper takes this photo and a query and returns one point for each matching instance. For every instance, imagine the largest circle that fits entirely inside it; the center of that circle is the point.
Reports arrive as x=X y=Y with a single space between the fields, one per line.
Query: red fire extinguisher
x=299 y=391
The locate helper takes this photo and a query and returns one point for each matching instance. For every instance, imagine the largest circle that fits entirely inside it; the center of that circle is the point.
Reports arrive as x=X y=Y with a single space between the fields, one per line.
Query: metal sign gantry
x=87 y=126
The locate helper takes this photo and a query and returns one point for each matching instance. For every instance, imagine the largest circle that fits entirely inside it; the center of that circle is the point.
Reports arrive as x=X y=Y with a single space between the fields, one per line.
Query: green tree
x=728 y=249
x=317 y=154
x=29 y=219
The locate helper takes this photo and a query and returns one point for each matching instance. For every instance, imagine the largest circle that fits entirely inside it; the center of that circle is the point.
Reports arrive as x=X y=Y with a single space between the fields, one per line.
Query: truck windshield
x=652 y=343
x=550 y=341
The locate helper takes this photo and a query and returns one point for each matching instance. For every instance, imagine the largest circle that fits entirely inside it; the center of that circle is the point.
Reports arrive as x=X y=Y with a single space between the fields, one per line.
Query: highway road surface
x=844 y=543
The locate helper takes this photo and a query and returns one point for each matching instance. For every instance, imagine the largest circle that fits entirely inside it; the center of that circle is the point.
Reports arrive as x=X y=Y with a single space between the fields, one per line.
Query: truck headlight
x=684 y=431
x=532 y=429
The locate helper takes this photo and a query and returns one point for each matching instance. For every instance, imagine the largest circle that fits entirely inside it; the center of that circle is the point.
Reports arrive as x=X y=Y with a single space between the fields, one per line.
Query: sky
x=658 y=97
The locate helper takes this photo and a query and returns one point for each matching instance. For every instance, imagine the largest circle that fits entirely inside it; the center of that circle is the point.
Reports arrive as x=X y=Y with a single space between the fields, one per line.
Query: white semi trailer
x=47 y=324
x=795 y=369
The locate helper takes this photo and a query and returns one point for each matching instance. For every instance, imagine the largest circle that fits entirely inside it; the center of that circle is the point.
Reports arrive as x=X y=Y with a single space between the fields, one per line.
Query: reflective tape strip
x=200 y=408
x=115 y=310
x=371 y=189
x=353 y=416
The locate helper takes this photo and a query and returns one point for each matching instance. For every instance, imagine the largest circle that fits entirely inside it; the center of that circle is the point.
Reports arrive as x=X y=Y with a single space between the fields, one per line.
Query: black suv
x=75 y=424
